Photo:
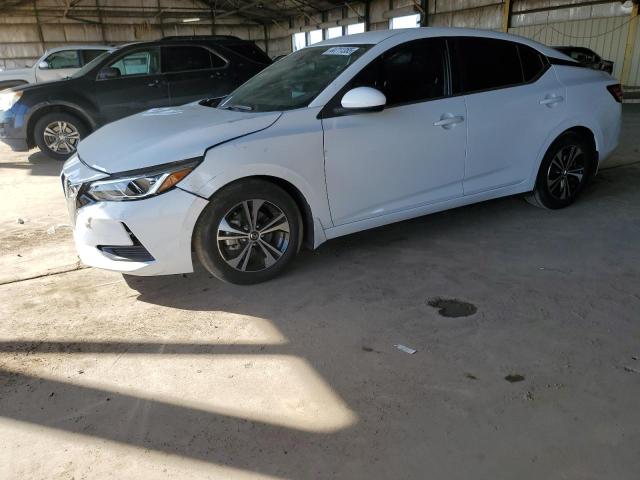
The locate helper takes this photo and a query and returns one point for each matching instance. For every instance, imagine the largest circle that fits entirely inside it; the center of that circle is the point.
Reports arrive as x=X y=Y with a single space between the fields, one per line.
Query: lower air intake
x=132 y=253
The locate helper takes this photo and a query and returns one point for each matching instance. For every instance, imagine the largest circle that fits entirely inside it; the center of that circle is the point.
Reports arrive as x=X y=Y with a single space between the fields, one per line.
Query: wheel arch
x=61 y=108
x=309 y=228
x=587 y=131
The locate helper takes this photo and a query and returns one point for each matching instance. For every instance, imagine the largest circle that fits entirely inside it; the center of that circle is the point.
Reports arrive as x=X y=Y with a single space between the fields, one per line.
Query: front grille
x=131 y=253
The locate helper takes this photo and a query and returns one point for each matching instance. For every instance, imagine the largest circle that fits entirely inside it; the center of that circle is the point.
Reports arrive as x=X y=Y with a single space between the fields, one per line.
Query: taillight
x=616 y=91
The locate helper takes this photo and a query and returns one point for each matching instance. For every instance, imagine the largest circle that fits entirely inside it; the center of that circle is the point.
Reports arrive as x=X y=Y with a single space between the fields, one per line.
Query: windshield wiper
x=239 y=108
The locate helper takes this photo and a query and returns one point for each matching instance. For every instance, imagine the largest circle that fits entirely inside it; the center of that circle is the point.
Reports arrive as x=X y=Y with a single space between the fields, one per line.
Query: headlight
x=8 y=99
x=142 y=185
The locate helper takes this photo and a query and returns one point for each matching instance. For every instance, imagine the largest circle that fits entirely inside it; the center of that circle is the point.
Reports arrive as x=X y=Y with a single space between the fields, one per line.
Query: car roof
x=82 y=47
x=407 y=34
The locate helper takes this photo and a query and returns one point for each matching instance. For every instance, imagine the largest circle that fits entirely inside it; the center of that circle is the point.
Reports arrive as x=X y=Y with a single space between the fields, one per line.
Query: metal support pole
x=631 y=40
x=266 y=38
x=506 y=15
x=40 y=34
x=104 y=39
x=367 y=16
x=424 y=18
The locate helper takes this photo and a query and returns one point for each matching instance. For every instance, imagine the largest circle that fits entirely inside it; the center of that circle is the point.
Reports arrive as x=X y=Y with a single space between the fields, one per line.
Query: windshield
x=89 y=66
x=294 y=81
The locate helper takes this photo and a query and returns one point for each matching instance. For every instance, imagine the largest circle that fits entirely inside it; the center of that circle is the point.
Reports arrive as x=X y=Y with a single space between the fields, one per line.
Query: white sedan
x=346 y=135
x=56 y=64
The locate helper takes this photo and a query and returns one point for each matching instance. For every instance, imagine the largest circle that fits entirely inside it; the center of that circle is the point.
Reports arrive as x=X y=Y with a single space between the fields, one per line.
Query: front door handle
x=551 y=100
x=448 y=121
x=155 y=83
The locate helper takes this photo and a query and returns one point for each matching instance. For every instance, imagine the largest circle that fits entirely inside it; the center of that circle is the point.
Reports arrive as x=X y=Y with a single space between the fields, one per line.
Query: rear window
x=485 y=64
x=250 y=51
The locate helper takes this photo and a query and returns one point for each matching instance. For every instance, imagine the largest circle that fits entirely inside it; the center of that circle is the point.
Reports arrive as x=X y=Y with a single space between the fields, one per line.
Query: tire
x=50 y=125
x=564 y=171
x=244 y=252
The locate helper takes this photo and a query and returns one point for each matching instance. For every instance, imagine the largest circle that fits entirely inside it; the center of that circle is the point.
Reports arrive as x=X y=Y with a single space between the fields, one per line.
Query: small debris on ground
x=514 y=377
x=630 y=369
x=528 y=396
x=21 y=221
x=470 y=376
x=452 y=307
x=405 y=349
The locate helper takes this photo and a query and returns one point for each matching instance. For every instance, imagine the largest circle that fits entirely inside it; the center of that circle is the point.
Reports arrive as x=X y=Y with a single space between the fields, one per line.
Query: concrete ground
x=105 y=376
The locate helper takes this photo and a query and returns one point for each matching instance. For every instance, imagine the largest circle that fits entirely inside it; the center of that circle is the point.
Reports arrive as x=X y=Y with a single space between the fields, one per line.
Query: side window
x=485 y=63
x=89 y=55
x=532 y=63
x=185 y=58
x=64 y=59
x=140 y=62
x=412 y=72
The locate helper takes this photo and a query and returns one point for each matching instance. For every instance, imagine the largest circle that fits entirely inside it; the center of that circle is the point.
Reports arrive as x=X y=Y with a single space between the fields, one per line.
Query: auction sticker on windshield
x=341 y=50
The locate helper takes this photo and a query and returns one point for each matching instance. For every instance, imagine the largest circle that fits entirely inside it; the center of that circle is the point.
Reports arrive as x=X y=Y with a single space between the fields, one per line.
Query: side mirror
x=364 y=99
x=43 y=65
x=108 y=72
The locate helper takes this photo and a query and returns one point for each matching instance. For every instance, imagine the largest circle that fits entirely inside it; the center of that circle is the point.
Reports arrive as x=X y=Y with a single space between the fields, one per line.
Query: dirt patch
x=452 y=307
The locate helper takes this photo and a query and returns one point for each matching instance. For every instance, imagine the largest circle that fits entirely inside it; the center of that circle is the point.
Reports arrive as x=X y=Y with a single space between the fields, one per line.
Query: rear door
x=513 y=101
x=138 y=86
x=194 y=72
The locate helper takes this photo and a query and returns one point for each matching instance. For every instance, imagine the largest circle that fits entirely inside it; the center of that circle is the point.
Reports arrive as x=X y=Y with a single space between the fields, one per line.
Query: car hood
x=14 y=72
x=165 y=135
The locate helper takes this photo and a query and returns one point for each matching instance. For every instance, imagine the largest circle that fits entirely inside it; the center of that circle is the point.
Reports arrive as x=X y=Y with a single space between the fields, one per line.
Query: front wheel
x=564 y=171
x=57 y=134
x=249 y=233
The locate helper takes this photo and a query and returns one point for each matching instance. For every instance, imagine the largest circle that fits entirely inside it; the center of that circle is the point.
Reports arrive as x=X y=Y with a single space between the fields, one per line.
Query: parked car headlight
x=8 y=99
x=141 y=185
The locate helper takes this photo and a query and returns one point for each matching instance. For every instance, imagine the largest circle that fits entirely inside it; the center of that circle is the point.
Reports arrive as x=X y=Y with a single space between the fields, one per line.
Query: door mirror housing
x=108 y=72
x=363 y=99
x=43 y=65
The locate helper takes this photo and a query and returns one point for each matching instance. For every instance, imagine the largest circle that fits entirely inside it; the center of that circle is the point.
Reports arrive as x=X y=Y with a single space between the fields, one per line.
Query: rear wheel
x=249 y=232
x=57 y=134
x=564 y=171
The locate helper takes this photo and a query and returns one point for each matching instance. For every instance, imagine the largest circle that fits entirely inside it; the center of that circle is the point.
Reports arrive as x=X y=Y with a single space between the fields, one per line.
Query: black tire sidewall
x=205 y=233
x=542 y=192
x=41 y=124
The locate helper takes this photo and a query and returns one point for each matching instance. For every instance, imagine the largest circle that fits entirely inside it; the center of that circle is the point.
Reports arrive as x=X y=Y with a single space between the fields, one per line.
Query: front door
x=60 y=65
x=194 y=72
x=137 y=86
x=408 y=155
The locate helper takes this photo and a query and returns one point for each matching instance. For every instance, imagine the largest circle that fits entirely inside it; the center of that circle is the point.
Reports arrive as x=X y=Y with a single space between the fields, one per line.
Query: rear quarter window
x=250 y=51
x=533 y=63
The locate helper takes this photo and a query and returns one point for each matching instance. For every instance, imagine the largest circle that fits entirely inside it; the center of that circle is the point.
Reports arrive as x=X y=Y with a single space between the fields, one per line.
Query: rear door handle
x=551 y=100
x=448 y=121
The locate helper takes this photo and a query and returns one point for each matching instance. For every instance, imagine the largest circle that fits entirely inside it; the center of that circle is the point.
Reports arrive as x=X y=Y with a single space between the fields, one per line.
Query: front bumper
x=13 y=131
x=163 y=225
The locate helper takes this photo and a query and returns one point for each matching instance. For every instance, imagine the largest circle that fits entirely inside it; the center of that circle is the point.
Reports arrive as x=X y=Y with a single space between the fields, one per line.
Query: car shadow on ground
x=38 y=164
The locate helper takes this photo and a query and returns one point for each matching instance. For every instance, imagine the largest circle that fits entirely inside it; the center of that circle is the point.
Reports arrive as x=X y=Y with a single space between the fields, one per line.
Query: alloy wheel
x=253 y=235
x=566 y=172
x=61 y=137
